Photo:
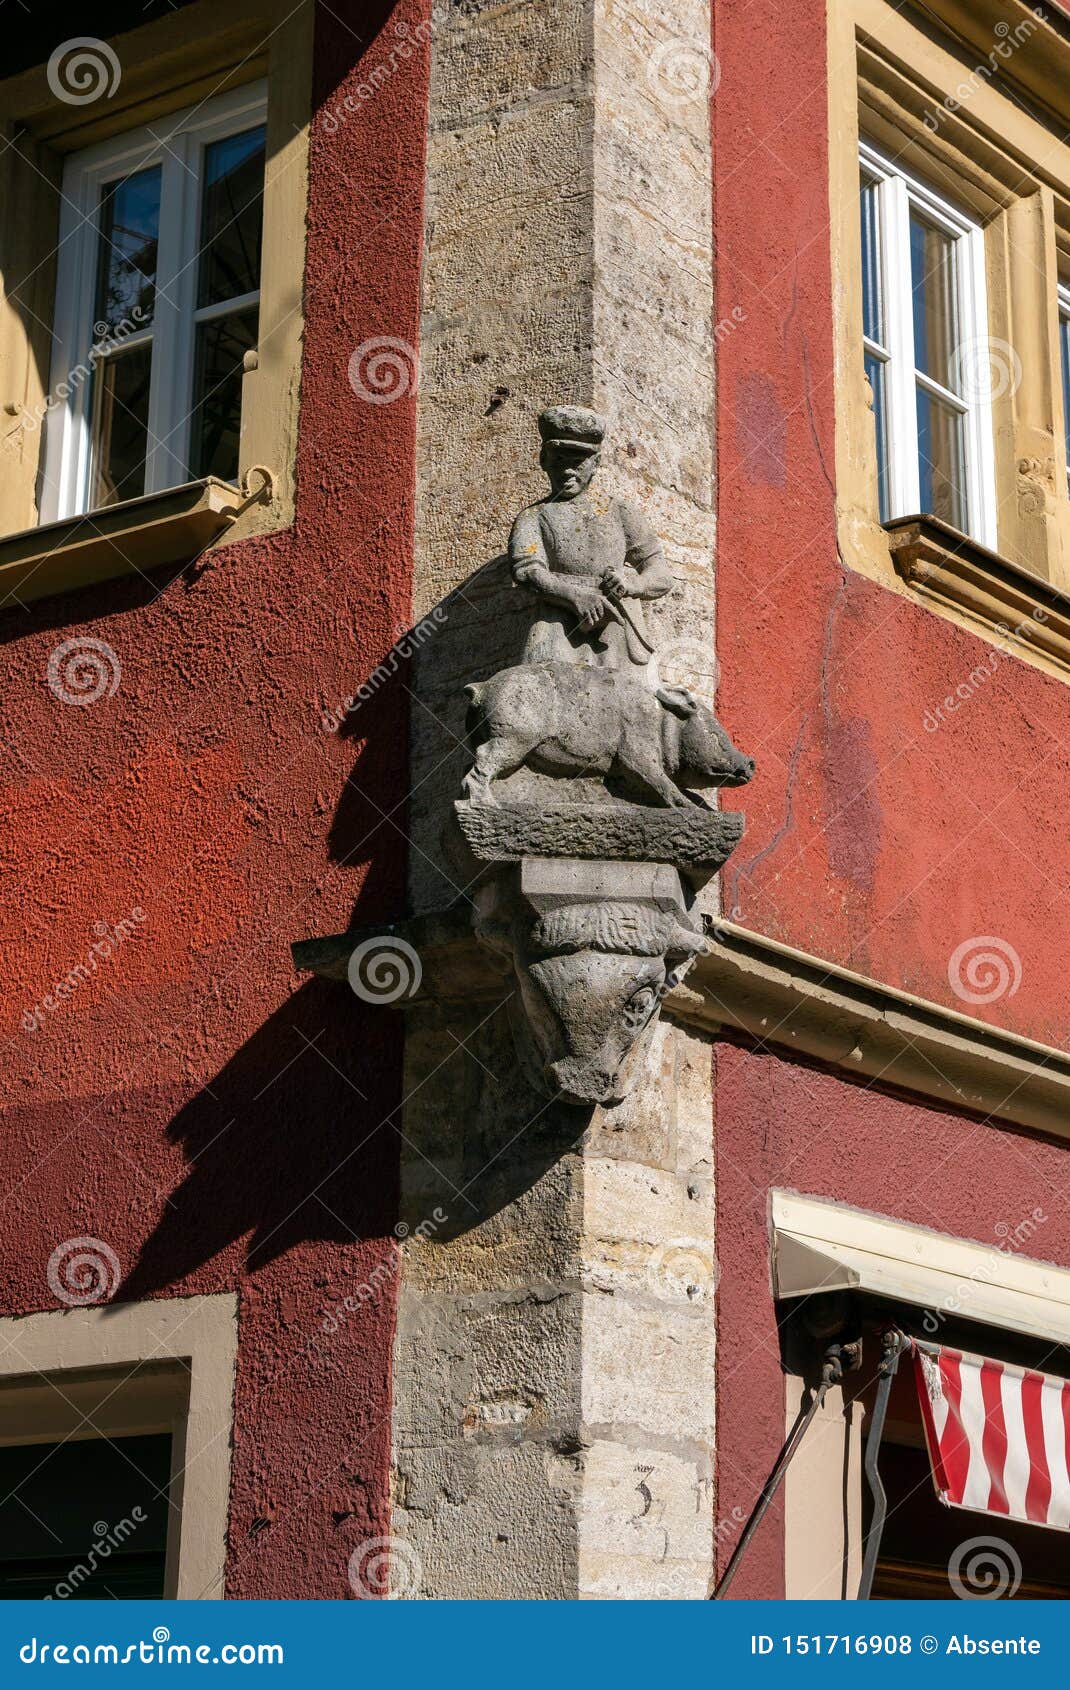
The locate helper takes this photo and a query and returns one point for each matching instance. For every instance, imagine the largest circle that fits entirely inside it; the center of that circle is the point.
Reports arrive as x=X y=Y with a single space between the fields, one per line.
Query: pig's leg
x=495 y=758
x=637 y=762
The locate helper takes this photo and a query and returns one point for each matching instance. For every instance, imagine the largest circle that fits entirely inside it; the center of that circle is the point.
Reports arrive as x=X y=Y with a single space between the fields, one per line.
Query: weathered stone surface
x=561 y=717
x=692 y=838
x=591 y=945
x=568 y=254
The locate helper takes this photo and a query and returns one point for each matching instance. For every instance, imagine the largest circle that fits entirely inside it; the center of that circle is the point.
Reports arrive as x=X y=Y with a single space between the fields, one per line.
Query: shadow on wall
x=469 y=635
x=290 y=1142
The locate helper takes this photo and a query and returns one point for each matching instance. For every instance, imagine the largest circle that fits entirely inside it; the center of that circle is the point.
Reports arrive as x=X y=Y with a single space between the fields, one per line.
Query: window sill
x=1005 y=599
x=138 y=535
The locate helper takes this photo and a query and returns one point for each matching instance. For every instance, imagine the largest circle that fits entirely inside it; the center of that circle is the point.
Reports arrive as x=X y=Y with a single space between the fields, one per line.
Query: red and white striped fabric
x=998 y=1436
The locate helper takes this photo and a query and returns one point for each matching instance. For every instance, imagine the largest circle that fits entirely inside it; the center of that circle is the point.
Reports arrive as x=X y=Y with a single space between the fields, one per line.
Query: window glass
x=875 y=373
x=872 y=303
x=159 y=275
x=129 y=242
x=232 y=211
x=941 y=460
x=922 y=278
x=121 y=424
x=932 y=271
x=1064 y=347
x=84 y=1519
x=222 y=343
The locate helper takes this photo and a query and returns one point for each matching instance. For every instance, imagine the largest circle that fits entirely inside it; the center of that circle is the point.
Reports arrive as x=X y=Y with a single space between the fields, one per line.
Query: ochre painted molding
x=793 y=1002
x=139 y=534
x=1009 y=602
x=816 y=1009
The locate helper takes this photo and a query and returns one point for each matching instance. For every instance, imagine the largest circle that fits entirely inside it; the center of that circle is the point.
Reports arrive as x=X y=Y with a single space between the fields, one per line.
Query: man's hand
x=591 y=608
x=622 y=583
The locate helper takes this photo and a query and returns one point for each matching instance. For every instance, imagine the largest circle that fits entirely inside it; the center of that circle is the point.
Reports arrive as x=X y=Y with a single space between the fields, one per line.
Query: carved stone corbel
x=581 y=797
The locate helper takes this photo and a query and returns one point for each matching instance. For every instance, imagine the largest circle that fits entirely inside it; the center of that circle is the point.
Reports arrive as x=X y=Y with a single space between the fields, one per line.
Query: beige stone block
x=648 y=1368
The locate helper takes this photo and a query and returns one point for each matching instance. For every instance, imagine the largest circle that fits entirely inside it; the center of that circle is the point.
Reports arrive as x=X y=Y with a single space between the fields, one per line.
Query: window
x=926 y=352
x=156 y=307
x=85 y=1518
x=1064 y=362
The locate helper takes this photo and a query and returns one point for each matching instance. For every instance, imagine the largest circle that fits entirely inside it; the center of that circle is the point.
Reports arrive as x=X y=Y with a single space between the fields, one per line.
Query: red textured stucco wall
x=870 y=840
x=218 y=1123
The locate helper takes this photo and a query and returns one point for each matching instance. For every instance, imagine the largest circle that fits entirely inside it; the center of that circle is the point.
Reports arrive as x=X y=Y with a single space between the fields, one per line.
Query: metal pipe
x=831 y=1373
x=894 y=1343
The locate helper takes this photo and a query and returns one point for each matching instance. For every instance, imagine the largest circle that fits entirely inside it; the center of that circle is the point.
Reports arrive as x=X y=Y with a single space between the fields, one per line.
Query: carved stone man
x=589 y=559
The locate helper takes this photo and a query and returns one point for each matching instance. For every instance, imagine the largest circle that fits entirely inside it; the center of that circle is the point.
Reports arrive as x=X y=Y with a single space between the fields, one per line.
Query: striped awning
x=998 y=1435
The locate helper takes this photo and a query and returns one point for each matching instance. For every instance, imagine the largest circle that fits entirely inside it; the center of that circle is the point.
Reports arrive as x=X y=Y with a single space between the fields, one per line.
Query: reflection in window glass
x=932 y=270
x=120 y=424
x=129 y=241
x=1064 y=351
x=872 y=305
x=941 y=460
x=222 y=343
x=232 y=209
x=875 y=372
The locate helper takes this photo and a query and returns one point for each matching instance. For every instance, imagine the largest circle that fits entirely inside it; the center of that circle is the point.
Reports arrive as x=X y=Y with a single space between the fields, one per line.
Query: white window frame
x=897 y=194
x=174 y=144
x=1064 y=330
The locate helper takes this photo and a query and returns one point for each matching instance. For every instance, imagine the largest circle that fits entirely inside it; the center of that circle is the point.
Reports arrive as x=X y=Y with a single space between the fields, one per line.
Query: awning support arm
x=893 y=1344
x=837 y=1358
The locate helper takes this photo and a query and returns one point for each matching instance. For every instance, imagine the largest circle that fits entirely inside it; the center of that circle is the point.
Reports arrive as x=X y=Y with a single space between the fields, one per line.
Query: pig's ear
x=677 y=700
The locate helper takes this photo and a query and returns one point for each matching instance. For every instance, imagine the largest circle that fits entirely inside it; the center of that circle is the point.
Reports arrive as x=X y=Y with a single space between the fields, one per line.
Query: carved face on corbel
x=591 y=979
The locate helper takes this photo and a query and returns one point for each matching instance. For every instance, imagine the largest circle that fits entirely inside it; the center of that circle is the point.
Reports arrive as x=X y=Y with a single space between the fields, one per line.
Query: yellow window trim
x=906 y=79
x=174 y=526
x=202 y=50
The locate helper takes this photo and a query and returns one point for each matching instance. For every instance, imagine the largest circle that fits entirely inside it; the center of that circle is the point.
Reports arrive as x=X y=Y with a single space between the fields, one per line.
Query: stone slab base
x=690 y=838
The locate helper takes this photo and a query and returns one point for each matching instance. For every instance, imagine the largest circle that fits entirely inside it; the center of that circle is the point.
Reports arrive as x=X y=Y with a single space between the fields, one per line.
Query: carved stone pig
x=572 y=719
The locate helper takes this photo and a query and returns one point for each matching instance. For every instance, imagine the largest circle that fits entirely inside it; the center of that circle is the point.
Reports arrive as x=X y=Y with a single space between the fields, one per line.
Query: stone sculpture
x=580 y=797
